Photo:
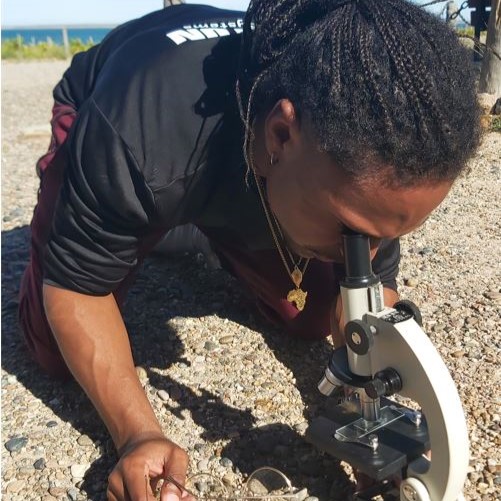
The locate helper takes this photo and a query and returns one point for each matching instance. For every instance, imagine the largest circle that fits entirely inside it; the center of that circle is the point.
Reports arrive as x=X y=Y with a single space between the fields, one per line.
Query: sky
x=110 y=12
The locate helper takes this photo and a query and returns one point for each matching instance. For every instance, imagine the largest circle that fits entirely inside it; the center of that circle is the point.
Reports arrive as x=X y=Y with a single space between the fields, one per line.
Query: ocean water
x=34 y=35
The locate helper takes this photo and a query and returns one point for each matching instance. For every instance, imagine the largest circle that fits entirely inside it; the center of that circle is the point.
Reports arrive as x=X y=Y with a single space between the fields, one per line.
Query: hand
x=143 y=463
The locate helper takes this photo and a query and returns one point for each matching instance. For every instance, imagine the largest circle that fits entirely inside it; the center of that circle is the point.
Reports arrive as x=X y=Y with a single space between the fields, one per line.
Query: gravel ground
x=225 y=385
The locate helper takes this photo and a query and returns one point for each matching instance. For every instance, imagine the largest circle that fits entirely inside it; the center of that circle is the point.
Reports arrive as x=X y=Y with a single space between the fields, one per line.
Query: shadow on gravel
x=162 y=291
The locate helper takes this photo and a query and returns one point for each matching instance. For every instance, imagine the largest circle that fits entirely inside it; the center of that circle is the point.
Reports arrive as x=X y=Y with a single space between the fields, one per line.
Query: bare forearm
x=93 y=340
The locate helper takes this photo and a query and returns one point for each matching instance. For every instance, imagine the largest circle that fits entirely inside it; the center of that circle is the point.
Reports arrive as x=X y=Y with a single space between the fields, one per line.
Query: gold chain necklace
x=297 y=295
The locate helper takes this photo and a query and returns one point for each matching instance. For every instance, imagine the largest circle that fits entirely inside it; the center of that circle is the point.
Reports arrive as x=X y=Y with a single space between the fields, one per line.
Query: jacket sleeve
x=104 y=209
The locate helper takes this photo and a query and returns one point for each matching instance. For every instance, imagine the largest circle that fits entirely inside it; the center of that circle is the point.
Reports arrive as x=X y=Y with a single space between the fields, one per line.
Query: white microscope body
x=388 y=353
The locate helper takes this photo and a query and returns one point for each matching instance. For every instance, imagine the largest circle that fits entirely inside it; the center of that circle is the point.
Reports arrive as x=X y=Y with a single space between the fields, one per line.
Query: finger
x=138 y=487
x=115 y=490
x=110 y=496
x=176 y=467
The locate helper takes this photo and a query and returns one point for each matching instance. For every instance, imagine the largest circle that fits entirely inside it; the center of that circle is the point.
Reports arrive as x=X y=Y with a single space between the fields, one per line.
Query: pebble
x=226 y=339
x=79 y=470
x=301 y=495
x=85 y=441
x=16 y=444
x=141 y=374
x=51 y=424
x=226 y=462
x=494 y=296
x=301 y=427
x=39 y=464
x=72 y=494
x=15 y=486
x=210 y=346
x=203 y=465
x=163 y=395
x=411 y=282
x=458 y=353
x=426 y=251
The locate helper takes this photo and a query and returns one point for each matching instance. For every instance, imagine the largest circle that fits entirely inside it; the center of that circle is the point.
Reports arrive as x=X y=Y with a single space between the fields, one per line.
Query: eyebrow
x=374 y=237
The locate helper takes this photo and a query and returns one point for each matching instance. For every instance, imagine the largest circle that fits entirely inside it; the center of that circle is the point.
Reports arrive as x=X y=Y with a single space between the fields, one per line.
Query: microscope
x=388 y=354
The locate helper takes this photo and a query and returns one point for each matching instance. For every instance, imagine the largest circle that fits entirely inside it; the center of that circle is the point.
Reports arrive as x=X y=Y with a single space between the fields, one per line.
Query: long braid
x=380 y=81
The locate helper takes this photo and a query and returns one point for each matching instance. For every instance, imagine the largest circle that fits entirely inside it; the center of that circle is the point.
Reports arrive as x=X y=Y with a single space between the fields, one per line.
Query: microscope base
x=400 y=441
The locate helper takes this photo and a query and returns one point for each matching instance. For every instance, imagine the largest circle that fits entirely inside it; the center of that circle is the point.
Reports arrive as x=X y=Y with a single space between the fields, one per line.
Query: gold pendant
x=297 y=296
x=297 y=277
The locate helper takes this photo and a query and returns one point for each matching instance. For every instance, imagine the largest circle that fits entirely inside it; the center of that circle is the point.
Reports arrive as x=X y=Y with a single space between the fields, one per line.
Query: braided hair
x=382 y=83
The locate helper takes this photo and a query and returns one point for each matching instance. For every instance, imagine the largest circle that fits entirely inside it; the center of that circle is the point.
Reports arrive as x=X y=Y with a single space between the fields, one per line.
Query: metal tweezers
x=172 y=480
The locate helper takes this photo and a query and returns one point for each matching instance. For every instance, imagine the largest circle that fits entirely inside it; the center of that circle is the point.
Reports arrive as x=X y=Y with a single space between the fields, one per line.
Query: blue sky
x=55 y=12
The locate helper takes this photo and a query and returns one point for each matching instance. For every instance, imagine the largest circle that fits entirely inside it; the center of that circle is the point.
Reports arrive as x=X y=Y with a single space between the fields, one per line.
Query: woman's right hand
x=143 y=463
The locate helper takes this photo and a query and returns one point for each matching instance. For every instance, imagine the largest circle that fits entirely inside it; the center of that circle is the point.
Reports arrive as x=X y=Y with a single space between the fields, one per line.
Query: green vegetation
x=496 y=124
x=468 y=31
x=16 y=48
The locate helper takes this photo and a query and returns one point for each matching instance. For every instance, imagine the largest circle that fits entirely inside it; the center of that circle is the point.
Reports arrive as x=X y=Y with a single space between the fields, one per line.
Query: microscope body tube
x=361 y=292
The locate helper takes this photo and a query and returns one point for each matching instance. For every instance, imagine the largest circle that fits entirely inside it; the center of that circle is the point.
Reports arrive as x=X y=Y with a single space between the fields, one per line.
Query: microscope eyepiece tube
x=357 y=260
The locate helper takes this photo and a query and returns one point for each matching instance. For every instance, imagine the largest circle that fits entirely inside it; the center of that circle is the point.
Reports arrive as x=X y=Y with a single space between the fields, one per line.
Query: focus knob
x=359 y=337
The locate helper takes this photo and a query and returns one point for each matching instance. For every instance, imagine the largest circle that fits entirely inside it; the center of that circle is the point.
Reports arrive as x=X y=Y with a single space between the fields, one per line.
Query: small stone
x=438 y=328
x=256 y=487
x=226 y=340
x=210 y=346
x=85 y=441
x=497 y=480
x=482 y=486
x=163 y=395
x=141 y=374
x=311 y=498
x=493 y=296
x=226 y=462
x=458 y=353
x=39 y=464
x=471 y=321
x=51 y=424
x=199 y=447
x=301 y=427
x=16 y=444
x=426 y=250
x=203 y=465
x=72 y=494
x=16 y=486
x=301 y=495
x=78 y=470
x=57 y=492
x=411 y=282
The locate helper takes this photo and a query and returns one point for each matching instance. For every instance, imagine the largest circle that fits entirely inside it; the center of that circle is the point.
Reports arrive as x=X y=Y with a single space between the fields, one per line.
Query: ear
x=281 y=130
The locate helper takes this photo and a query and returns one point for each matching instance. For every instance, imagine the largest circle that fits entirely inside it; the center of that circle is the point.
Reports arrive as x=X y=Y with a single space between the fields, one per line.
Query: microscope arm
x=425 y=379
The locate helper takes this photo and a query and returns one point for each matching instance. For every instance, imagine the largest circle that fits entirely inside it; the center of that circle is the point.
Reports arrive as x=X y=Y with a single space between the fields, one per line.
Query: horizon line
x=60 y=26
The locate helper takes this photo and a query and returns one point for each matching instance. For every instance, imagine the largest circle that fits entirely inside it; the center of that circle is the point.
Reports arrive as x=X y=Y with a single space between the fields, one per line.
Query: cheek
x=283 y=200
